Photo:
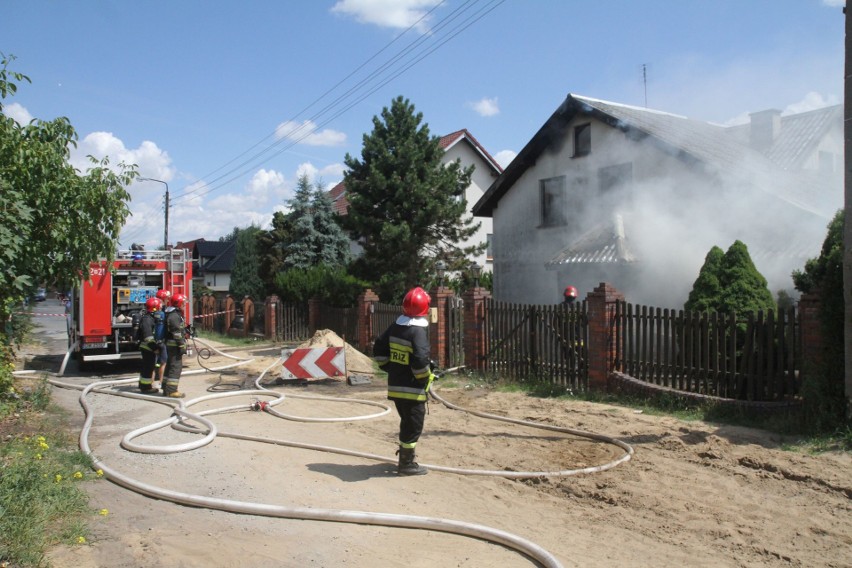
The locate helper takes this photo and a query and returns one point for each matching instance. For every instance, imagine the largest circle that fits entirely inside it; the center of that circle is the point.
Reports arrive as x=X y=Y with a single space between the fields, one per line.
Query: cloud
x=485 y=107
x=834 y=3
x=305 y=133
x=152 y=161
x=812 y=101
x=505 y=157
x=18 y=113
x=397 y=14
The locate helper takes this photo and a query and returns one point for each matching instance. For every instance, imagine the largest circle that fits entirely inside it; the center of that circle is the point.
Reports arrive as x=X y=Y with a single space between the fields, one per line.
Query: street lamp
x=166 y=231
x=440 y=268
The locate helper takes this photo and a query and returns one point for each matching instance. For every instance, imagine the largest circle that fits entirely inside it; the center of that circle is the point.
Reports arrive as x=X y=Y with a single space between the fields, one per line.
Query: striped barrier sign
x=313 y=363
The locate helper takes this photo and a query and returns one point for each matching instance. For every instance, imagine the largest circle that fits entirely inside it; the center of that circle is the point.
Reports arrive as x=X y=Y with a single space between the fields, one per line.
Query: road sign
x=313 y=363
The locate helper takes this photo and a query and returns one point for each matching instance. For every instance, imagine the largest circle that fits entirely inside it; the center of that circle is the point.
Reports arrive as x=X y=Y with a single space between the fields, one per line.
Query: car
x=40 y=295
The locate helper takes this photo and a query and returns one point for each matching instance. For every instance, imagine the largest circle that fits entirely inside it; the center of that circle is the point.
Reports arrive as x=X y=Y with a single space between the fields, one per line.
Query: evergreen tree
x=299 y=252
x=332 y=243
x=245 y=275
x=271 y=244
x=706 y=292
x=405 y=206
x=745 y=290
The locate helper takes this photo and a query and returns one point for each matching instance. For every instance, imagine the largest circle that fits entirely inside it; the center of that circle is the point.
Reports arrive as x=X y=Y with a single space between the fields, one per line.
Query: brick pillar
x=270 y=317
x=438 y=330
x=313 y=315
x=603 y=333
x=810 y=331
x=475 y=343
x=366 y=336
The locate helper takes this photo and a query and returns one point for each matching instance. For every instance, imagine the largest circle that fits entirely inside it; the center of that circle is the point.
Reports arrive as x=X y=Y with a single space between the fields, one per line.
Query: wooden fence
x=342 y=321
x=547 y=342
x=754 y=358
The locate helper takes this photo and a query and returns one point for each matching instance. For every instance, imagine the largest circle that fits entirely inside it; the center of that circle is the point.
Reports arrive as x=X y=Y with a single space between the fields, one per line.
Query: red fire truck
x=105 y=307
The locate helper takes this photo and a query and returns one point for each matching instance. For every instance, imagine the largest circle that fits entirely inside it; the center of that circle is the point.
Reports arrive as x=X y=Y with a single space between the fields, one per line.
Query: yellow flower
x=100 y=473
x=38 y=456
x=103 y=512
x=58 y=478
x=40 y=439
x=81 y=540
x=43 y=446
x=78 y=475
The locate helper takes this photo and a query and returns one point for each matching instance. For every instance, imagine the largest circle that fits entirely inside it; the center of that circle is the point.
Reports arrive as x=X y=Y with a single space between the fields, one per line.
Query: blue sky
x=202 y=94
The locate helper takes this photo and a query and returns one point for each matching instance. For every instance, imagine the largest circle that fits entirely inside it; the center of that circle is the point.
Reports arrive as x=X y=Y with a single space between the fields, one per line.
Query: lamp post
x=475 y=271
x=440 y=269
x=166 y=231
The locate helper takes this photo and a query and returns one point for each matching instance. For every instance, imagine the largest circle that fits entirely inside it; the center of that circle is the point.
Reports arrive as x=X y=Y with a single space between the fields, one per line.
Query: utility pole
x=166 y=229
x=847 y=216
x=645 y=82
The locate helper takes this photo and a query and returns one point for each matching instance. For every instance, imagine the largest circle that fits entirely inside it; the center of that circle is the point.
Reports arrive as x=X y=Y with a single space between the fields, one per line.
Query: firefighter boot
x=407 y=465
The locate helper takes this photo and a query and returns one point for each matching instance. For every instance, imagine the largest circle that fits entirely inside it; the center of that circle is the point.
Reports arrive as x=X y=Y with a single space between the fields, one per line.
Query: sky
x=227 y=103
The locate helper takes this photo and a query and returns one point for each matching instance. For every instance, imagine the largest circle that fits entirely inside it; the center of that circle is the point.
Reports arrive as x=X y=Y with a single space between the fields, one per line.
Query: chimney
x=765 y=127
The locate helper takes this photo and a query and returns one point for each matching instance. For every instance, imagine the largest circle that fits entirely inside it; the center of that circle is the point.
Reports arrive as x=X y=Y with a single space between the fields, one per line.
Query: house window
x=489 y=247
x=553 y=202
x=614 y=184
x=582 y=140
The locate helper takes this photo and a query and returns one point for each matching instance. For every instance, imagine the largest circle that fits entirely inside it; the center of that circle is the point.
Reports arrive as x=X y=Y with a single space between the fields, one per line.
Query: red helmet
x=153 y=304
x=570 y=293
x=416 y=303
x=164 y=295
x=178 y=300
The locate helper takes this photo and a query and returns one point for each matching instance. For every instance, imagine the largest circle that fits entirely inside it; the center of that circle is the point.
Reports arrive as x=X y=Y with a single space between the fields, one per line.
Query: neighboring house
x=612 y=193
x=212 y=264
x=463 y=146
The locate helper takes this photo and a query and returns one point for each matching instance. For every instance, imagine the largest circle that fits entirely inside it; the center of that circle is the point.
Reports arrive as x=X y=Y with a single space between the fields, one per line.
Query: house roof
x=221 y=253
x=340 y=204
x=695 y=142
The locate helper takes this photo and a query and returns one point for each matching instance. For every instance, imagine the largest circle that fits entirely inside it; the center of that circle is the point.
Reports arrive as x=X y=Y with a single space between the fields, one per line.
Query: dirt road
x=693 y=494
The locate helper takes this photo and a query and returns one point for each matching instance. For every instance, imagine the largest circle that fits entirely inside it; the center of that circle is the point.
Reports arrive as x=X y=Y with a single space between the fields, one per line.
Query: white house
x=634 y=197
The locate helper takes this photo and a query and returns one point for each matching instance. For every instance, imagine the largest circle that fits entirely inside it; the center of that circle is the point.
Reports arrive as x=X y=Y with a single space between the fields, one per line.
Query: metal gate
x=547 y=343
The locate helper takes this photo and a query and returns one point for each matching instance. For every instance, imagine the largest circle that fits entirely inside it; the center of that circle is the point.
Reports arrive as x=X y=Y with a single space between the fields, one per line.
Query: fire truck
x=105 y=307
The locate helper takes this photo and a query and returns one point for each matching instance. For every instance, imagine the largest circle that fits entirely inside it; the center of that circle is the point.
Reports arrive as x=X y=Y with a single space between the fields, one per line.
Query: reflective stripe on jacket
x=403 y=351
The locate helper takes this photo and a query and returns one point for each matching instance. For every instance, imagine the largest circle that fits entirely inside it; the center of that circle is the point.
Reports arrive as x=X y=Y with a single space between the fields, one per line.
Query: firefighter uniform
x=150 y=351
x=403 y=351
x=176 y=347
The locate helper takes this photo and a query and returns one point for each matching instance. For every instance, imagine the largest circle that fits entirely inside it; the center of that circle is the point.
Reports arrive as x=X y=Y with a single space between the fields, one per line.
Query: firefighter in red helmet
x=569 y=295
x=175 y=345
x=148 y=345
x=403 y=352
x=160 y=366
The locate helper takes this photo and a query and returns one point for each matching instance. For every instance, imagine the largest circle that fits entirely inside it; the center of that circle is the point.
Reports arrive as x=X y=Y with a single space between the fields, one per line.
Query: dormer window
x=582 y=140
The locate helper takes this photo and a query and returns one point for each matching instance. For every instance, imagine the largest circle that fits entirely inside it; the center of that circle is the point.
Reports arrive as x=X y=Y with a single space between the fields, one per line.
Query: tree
x=315 y=236
x=405 y=206
x=823 y=388
x=730 y=282
x=271 y=244
x=54 y=220
x=245 y=275
x=707 y=290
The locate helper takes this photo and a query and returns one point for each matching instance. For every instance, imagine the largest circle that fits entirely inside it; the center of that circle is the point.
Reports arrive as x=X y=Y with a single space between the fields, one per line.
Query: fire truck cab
x=105 y=308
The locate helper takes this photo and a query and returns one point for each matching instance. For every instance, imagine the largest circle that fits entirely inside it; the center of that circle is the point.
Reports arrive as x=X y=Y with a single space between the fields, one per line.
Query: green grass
x=229 y=340
x=42 y=500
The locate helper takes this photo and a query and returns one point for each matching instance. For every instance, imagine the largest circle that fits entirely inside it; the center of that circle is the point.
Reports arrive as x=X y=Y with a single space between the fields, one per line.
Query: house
x=606 y=192
x=212 y=264
x=463 y=146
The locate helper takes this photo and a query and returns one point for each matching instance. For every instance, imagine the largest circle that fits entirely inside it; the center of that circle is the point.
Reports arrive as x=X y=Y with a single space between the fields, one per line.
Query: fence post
x=365 y=320
x=313 y=315
x=230 y=313
x=438 y=330
x=270 y=321
x=604 y=333
x=248 y=315
x=474 y=328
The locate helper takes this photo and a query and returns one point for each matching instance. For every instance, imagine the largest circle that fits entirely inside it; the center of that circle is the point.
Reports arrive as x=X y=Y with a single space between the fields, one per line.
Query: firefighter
x=148 y=346
x=569 y=295
x=175 y=345
x=160 y=366
x=403 y=352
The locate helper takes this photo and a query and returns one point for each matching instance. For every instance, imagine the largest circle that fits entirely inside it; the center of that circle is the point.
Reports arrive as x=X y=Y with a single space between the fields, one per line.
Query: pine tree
x=245 y=274
x=405 y=206
x=300 y=251
x=271 y=244
x=332 y=243
x=745 y=290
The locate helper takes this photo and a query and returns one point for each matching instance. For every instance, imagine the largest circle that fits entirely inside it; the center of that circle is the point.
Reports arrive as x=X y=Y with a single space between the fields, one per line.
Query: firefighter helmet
x=416 y=303
x=570 y=293
x=153 y=304
x=164 y=296
x=178 y=300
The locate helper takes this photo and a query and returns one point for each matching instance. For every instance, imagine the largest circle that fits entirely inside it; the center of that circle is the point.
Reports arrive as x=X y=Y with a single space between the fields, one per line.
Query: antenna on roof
x=645 y=82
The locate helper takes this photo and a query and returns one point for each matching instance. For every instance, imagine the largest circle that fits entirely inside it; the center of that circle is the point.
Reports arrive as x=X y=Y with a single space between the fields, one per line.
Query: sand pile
x=356 y=362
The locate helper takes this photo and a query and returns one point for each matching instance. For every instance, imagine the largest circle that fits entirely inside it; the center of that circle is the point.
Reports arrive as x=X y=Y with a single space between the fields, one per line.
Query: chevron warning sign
x=313 y=363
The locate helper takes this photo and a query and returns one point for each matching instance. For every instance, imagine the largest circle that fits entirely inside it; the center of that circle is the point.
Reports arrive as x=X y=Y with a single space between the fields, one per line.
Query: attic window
x=582 y=140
